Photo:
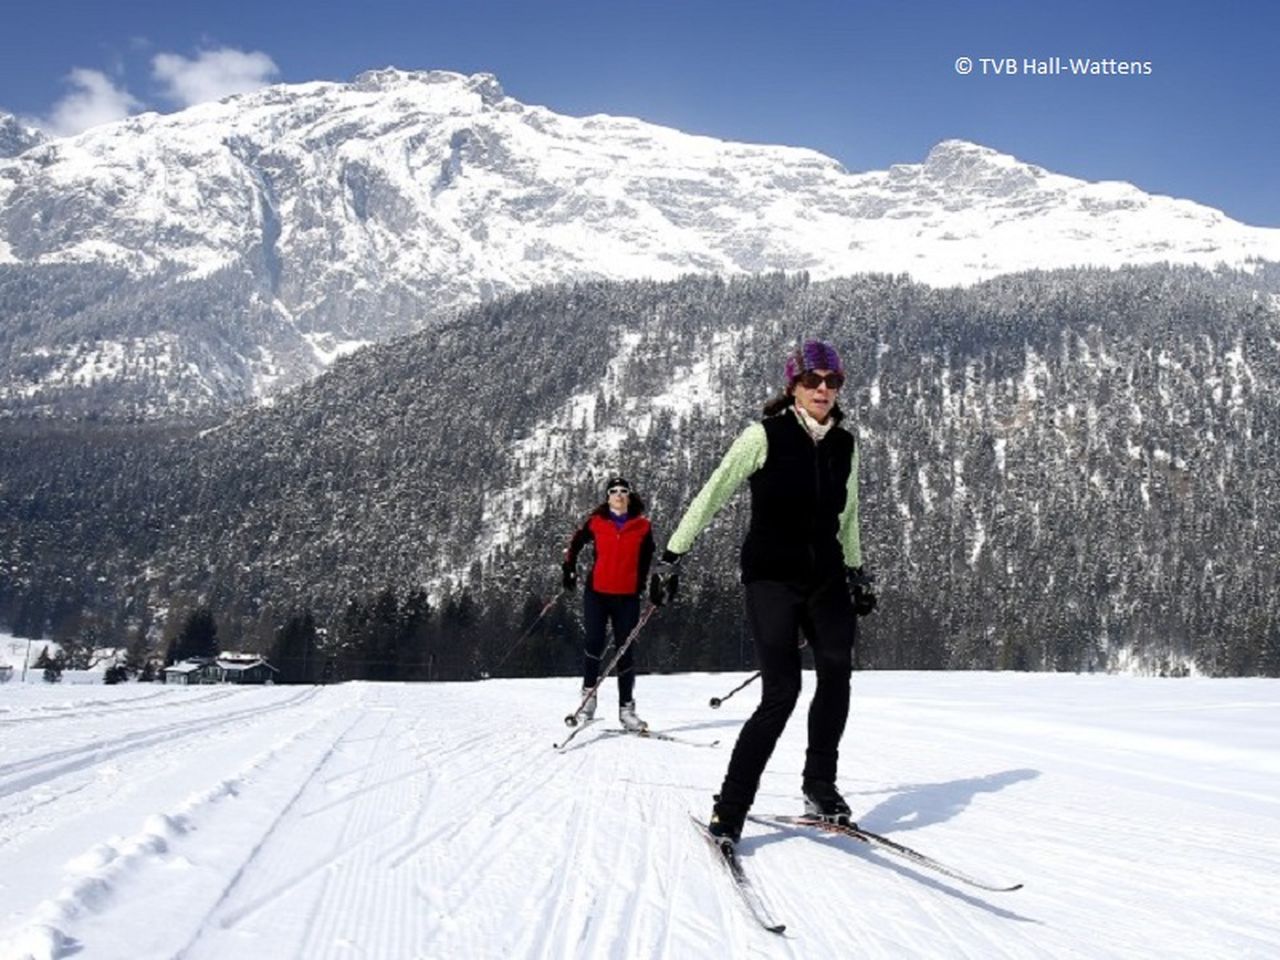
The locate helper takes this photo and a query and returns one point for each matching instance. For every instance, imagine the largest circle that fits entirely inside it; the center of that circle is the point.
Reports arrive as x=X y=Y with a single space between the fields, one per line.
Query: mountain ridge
x=303 y=221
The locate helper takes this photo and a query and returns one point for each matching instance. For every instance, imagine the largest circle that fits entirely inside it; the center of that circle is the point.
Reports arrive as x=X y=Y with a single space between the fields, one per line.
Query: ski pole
x=572 y=719
x=716 y=701
x=528 y=631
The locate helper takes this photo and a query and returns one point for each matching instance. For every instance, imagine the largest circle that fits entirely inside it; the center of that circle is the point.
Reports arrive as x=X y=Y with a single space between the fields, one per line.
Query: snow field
x=435 y=821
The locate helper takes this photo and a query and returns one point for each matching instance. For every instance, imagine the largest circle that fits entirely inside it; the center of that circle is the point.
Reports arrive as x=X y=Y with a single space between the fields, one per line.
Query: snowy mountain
x=435 y=820
x=176 y=264
x=15 y=138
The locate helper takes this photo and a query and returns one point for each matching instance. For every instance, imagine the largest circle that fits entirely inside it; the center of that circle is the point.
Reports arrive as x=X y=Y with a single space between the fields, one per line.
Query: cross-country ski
x=726 y=855
x=885 y=844
x=648 y=734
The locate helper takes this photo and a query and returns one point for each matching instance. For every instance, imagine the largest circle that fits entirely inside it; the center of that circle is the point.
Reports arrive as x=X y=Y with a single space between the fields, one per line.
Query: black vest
x=796 y=500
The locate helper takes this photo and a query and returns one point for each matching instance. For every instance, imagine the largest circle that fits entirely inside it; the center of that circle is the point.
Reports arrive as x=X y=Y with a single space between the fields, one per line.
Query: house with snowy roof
x=193 y=671
x=225 y=668
x=245 y=668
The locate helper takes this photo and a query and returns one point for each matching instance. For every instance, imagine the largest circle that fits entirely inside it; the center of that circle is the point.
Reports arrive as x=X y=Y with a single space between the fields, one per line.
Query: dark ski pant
x=778 y=612
x=599 y=610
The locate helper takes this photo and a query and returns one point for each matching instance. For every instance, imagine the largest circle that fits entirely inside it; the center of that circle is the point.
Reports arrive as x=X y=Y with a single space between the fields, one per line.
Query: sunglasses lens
x=811 y=381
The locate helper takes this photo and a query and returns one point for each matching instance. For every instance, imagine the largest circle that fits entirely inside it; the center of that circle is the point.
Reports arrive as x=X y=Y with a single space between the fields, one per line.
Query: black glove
x=860 y=590
x=665 y=582
x=568 y=576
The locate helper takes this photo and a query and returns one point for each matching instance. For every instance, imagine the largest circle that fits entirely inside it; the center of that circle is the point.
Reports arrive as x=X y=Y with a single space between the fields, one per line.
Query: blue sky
x=869 y=83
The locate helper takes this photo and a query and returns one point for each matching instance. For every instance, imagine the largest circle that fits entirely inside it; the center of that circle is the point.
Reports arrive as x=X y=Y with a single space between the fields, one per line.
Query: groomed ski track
x=436 y=821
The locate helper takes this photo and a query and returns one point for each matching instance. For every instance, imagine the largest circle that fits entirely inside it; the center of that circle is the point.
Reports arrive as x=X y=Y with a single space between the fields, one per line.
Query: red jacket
x=622 y=555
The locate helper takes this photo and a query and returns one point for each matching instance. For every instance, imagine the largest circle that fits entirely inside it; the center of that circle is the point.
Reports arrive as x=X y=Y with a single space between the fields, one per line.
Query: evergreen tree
x=415 y=635
x=137 y=653
x=295 y=652
x=199 y=636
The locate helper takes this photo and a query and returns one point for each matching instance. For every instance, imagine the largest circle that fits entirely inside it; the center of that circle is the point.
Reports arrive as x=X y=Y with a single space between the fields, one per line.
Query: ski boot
x=726 y=821
x=822 y=801
x=627 y=717
x=588 y=709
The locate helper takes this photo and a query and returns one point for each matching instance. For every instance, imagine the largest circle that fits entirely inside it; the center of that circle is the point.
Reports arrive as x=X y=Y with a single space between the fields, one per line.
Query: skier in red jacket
x=622 y=540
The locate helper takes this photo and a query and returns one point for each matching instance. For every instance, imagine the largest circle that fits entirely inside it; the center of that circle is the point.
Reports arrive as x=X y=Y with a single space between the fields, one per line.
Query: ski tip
x=701 y=826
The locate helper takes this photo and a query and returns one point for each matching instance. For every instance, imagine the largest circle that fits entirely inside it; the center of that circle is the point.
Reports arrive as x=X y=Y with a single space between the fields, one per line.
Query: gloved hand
x=568 y=576
x=861 y=592
x=665 y=582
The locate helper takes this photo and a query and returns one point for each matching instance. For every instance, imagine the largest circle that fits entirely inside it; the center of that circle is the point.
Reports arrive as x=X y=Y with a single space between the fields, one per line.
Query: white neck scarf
x=812 y=427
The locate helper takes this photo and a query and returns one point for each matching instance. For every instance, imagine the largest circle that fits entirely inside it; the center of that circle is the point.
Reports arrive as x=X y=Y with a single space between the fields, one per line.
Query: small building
x=190 y=672
x=239 y=668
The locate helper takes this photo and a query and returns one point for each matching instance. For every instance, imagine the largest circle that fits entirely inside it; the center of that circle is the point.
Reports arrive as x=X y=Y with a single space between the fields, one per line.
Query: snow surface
x=435 y=821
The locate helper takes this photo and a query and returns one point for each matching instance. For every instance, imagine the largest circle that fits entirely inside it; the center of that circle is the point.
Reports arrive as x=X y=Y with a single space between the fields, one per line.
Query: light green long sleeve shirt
x=745 y=456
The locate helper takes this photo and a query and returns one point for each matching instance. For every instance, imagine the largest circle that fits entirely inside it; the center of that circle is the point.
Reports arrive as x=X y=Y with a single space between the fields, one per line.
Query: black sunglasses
x=811 y=380
x=613 y=490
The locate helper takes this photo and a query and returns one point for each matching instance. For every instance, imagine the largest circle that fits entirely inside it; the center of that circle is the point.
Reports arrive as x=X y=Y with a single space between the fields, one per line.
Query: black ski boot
x=823 y=802
x=726 y=821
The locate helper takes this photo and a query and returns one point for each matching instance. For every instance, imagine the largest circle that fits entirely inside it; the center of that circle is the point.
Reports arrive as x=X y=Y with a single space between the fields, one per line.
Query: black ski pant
x=599 y=610
x=777 y=612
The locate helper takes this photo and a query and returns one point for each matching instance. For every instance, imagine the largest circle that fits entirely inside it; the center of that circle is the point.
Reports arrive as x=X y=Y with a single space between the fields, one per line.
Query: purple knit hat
x=813 y=355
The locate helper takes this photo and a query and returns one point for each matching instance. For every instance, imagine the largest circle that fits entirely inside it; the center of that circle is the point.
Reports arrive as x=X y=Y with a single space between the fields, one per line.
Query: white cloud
x=95 y=99
x=212 y=74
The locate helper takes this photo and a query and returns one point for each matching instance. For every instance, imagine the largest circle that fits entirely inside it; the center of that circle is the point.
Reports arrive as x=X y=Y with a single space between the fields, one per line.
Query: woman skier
x=801 y=571
x=622 y=540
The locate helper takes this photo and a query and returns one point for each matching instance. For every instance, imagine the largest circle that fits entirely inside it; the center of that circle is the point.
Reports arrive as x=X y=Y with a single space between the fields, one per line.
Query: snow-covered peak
x=393 y=79
x=439 y=177
x=16 y=137
x=958 y=164
x=364 y=209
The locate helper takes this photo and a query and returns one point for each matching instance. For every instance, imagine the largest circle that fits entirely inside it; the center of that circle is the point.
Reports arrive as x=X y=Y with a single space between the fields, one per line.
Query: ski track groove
x=474 y=850
x=100 y=708
x=20 y=804
x=343 y=849
x=350 y=879
x=45 y=768
x=115 y=864
x=357 y=882
x=409 y=844
x=616 y=916
x=570 y=878
x=208 y=923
